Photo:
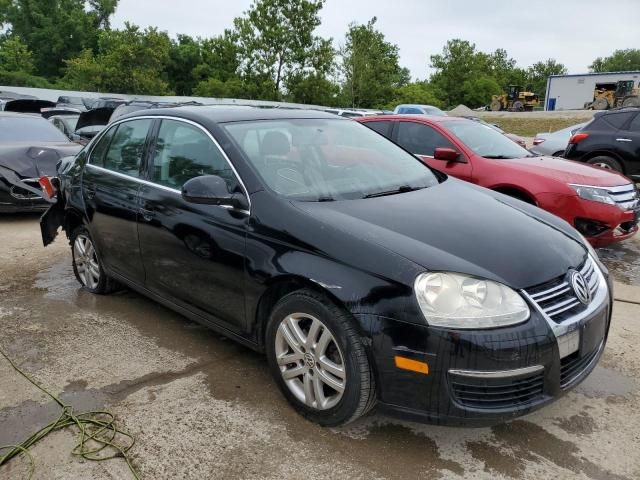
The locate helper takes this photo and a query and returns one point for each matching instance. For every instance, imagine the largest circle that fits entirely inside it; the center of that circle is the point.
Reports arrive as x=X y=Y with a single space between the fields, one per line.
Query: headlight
x=595 y=194
x=457 y=301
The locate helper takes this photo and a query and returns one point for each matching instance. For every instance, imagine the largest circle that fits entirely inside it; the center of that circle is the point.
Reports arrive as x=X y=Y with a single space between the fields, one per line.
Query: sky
x=574 y=32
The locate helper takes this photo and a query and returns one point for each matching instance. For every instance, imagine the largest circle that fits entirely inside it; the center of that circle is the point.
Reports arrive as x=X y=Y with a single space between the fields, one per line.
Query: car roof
x=416 y=118
x=212 y=114
x=4 y=114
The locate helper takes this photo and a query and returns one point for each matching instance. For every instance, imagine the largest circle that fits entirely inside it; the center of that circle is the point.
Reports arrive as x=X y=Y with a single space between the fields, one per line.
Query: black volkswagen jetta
x=366 y=278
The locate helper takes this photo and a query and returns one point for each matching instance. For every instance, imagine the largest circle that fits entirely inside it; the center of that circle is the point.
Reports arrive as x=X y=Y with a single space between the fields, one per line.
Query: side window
x=618 y=120
x=98 y=152
x=635 y=124
x=125 y=152
x=420 y=139
x=183 y=152
x=384 y=128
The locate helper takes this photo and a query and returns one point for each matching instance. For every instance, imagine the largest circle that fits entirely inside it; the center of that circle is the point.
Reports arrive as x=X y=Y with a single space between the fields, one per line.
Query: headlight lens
x=594 y=194
x=458 y=301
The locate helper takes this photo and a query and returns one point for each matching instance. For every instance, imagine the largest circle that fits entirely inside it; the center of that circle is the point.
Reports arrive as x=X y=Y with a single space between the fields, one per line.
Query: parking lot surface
x=201 y=406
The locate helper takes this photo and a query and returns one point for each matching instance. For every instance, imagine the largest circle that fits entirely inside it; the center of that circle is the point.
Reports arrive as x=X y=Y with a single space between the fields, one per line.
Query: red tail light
x=538 y=141
x=47 y=187
x=577 y=138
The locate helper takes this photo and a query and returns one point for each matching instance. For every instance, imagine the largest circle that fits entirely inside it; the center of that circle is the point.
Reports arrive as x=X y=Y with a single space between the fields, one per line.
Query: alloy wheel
x=86 y=262
x=606 y=166
x=310 y=361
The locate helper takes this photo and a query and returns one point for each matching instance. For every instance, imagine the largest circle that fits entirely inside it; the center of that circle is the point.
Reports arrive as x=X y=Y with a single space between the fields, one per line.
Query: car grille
x=557 y=298
x=498 y=393
x=574 y=365
x=625 y=196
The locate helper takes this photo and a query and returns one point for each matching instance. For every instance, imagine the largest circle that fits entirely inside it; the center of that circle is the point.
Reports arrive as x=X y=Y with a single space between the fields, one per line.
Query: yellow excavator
x=515 y=100
x=610 y=95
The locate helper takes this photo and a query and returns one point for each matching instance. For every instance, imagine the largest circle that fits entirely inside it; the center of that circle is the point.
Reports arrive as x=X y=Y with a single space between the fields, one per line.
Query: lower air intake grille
x=497 y=393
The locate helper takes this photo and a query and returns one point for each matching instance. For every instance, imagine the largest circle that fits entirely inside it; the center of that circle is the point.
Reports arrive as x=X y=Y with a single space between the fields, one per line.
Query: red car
x=603 y=205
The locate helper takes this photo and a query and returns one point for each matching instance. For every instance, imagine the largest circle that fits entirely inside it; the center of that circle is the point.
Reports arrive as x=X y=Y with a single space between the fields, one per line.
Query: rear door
x=422 y=140
x=628 y=146
x=110 y=186
x=193 y=254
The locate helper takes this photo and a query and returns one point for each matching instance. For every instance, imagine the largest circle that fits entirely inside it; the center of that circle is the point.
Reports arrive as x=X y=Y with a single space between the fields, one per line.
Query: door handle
x=90 y=190
x=147 y=215
x=623 y=140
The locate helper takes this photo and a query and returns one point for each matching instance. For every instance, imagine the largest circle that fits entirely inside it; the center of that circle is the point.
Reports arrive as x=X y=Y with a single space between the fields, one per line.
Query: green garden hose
x=97 y=429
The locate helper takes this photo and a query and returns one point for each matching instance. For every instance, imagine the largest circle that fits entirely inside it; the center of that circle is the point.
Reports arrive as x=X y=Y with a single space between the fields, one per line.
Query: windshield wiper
x=499 y=157
x=325 y=199
x=400 y=189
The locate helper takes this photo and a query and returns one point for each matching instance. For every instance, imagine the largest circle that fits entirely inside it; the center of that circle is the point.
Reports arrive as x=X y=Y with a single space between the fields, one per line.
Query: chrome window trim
x=167 y=117
x=600 y=298
x=497 y=373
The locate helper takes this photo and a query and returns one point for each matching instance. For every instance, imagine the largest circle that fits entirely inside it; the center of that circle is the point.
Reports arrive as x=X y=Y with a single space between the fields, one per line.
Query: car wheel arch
x=516 y=192
x=605 y=153
x=72 y=219
x=278 y=288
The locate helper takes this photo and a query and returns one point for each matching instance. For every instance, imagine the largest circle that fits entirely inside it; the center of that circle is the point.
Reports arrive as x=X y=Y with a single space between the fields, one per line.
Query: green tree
x=185 y=55
x=128 y=61
x=312 y=89
x=478 y=90
x=421 y=92
x=276 y=40
x=370 y=67
x=539 y=72
x=458 y=62
x=56 y=30
x=15 y=56
x=620 y=61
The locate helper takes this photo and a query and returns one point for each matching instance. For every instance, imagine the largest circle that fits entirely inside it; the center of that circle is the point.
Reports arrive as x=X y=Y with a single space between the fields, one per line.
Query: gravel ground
x=202 y=406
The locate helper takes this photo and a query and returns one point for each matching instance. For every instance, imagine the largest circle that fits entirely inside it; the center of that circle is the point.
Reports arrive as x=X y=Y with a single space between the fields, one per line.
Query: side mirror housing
x=212 y=190
x=447 y=154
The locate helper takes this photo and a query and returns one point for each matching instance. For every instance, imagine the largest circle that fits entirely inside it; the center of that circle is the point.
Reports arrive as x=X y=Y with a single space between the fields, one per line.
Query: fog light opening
x=590 y=228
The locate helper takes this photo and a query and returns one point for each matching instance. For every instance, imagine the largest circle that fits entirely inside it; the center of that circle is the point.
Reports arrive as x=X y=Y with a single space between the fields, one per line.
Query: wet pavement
x=202 y=406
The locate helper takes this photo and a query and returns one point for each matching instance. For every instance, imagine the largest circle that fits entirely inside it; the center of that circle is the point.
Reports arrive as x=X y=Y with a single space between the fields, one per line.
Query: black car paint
x=605 y=139
x=363 y=254
x=26 y=162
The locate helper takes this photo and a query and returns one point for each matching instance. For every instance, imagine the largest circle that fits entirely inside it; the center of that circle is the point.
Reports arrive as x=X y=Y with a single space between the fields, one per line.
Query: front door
x=193 y=254
x=422 y=140
x=110 y=185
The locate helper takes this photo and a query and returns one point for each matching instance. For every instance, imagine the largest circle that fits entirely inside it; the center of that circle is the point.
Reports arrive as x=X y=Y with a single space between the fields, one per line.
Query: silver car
x=554 y=143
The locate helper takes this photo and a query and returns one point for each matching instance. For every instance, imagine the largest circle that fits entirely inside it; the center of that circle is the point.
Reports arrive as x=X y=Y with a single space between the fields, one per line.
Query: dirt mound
x=462 y=111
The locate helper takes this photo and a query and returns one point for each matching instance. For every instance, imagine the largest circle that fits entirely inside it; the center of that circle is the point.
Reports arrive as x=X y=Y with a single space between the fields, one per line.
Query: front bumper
x=479 y=378
x=12 y=203
x=600 y=223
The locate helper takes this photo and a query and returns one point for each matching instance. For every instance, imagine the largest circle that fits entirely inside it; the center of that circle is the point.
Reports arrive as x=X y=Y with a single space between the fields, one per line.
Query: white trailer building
x=571 y=92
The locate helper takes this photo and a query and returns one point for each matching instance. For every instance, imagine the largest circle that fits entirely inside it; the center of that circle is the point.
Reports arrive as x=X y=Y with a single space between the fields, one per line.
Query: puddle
x=623 y=261
x=59 y=281
x=519 y=442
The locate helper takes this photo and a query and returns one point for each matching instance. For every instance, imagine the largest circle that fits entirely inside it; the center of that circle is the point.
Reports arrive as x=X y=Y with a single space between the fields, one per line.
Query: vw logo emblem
x=309 y=360
x=580 y=287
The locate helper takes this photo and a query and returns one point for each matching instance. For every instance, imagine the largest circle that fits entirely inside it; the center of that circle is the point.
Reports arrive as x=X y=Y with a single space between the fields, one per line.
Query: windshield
x=29 y=129
x=485 y=141
x=326 y=159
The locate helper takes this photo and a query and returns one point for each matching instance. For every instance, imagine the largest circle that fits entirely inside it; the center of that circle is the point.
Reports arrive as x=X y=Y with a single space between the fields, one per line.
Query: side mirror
x=447 y=154
x=212 y=190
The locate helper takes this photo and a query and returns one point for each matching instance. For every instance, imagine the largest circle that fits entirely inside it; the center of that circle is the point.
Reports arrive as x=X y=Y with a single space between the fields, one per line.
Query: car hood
x=34 y=159
x=461 y=228
x=565 y=171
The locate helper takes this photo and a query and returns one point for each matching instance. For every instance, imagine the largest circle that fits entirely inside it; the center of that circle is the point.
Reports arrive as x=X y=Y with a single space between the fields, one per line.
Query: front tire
x=317 y=359
x=605 y=162
x=86 y=264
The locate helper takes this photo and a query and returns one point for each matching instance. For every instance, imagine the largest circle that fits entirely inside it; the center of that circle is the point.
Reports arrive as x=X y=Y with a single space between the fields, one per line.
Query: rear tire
x=606 y=163
x=631 y=102
x=87 y=266
x=317 y=359
x=600 y=104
